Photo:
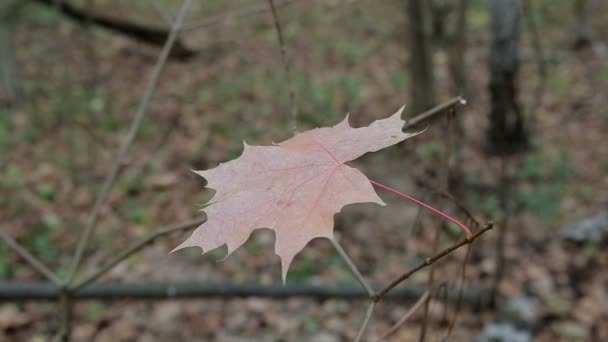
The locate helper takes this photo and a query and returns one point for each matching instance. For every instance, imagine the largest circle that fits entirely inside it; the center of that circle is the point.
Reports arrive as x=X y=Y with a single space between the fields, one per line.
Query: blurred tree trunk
x=507 y=133
x=449 y=23
x=458 y=48
x=421 y=56
x=8 y=59
x=151 y=35
x=583 y=24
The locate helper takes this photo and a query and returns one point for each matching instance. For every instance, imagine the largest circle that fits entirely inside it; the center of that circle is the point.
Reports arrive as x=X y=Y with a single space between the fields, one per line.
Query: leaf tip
x=345 y=121
x=182 y=245
x=400 y=111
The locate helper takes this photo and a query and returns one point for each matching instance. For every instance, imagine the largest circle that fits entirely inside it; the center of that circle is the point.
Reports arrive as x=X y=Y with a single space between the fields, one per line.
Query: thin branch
x=444 y=186
x=251 y=10
x=539 y=55
x=469 y=215
x=285 y=60
x=406 y=316
x=500 y=261
x=430 y=261
x=351 y=265
x=30 y=258
x=65 y=328
x=368 y=316
x=149 y=290
x=418 y=219
x=429 y=114
x=463 y=276
x=135 y=124
x=431 y=286
x=162 y=13
x=136 y=247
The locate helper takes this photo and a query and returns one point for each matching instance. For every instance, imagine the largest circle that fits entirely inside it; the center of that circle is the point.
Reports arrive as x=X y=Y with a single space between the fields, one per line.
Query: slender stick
x=155 y=291
x=353 y=268
x=540 y=60
x=463 y=276
x=435 y=111
x=136 y=247
x=292 y=94
x=30 y=258
x=135 y=124
x=408 y=314
x=431 y=284
x=368 y=316
x=429 y=261
x=250 y=10
x=165 y=15
x=443 y=186
x=500 y=261
x=65 y=328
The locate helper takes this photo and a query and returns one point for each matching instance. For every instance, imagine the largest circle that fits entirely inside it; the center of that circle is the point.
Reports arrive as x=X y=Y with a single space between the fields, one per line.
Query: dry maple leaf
x=294 y=187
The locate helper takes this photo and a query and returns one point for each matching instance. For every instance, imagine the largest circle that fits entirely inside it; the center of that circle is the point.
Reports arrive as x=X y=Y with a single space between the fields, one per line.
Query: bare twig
x=406 y=316
x=65 y=327
x=135 y=124
x=431 y=285
x=444 y=186
x=368 y=316
x=245 y=11
x=540 y=59
x=502 y=227
x=31 y=259
x=150 y=290
x=430 y=261
x=285 y=60
x=353 y=268
x=418 y=219
x=469 y=215
x=165 y=15
x=429 y=114
x=463 y=276
x=136 y=247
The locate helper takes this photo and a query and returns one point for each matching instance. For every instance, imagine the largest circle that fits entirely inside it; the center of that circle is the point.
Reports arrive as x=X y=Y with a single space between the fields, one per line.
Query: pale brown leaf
x=294 y=187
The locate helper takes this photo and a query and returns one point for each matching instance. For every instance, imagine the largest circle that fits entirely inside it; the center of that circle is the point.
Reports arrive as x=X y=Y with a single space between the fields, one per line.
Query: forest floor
x=80 y=90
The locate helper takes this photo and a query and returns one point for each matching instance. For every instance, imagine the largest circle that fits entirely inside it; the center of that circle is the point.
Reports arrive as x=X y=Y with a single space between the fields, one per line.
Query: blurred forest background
x=529 y=152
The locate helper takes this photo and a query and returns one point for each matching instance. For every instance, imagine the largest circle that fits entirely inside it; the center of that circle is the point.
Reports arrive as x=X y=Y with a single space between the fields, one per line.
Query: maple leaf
x=294 y=187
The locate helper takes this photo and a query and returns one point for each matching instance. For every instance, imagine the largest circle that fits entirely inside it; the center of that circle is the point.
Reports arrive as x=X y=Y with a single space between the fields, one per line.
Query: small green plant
x=304 y=268
x=433 y=149
x=5 y=263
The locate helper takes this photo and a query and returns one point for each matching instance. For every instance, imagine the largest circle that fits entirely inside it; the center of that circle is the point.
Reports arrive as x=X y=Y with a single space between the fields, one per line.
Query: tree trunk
x=421 y=56
x=457 y=60
x=583 y=24
x=507 y=133
x=8 y=59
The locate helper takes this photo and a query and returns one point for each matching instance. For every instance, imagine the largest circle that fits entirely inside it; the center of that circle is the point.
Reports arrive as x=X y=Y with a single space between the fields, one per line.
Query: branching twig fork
x=136 y=247
x=31 y=259
x=351 y=265
x=406 y=316
x=429 y=261
x=135 y=124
